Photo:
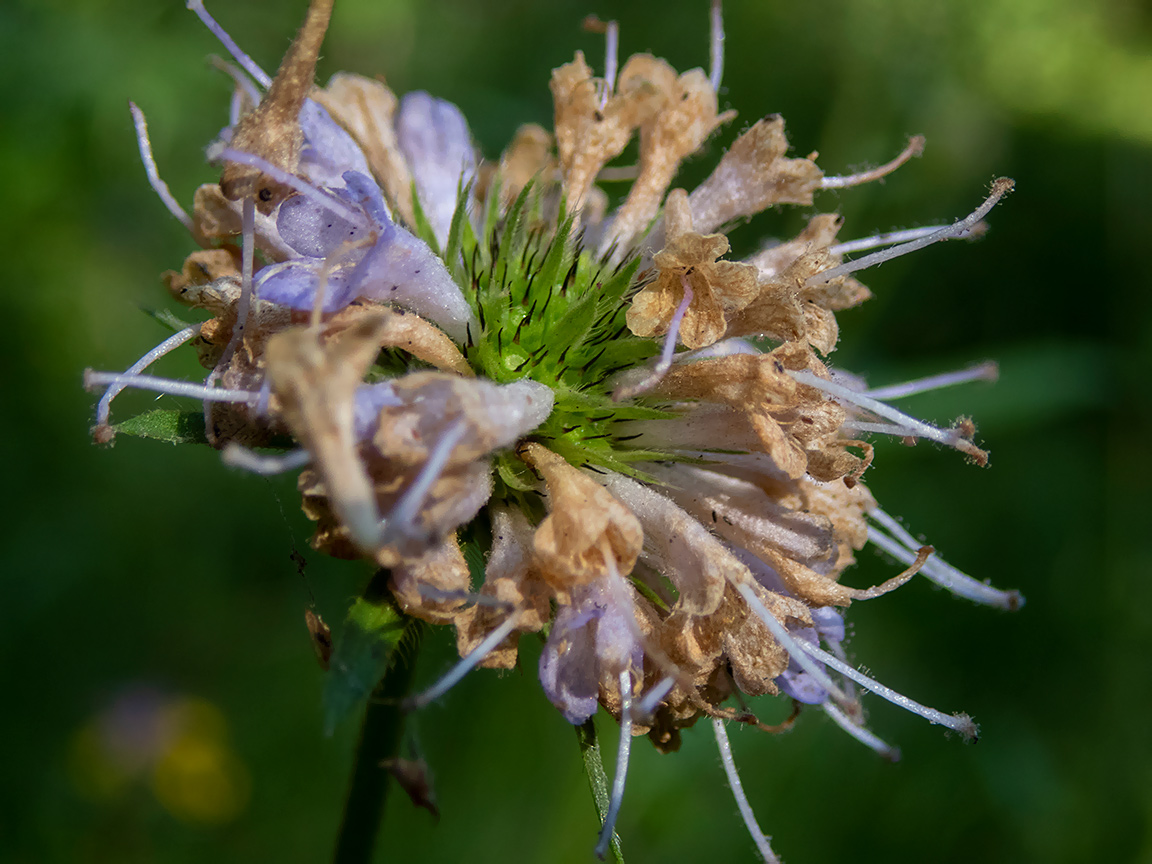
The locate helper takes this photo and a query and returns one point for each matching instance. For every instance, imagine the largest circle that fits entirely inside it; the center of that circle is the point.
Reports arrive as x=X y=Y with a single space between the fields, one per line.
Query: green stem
x=380 y=739
x=597 y=779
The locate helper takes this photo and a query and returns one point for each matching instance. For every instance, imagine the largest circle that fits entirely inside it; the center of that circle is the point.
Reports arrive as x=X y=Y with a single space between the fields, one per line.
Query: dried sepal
x=272 y=130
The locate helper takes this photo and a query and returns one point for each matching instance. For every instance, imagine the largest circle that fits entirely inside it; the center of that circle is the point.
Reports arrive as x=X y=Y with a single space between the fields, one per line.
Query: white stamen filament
x=243 y=306
x=611 y=57
x=758 y=837
x=938 y=570
x=158 y=185
x=166 y=385
x=650 y=701
x=984 y=372
x=235 y=108
x=244 y=87
x=961 y=723
x=239 y=456
x=262 y=403
x=402 y=519
x=861 y=734
x=1000 y=187
x=328 y=202
x=907 y=424
x=231 y=47
x=465 y=665
x=104 y=406
x=891 y=238
x=915 y=148
x=716 y=73
x=853 y=426
x=247 y=266
x=622 y=753
x=795 y=647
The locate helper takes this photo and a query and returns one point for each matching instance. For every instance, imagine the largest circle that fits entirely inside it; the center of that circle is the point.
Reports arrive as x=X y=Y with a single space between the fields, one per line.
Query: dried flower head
x=640 y=442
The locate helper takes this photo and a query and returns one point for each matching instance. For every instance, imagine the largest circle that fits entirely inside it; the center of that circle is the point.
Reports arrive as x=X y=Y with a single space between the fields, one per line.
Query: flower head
x=640 y=440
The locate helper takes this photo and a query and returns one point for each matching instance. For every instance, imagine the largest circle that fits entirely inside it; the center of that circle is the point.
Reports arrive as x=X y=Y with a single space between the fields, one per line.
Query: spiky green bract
x=549 y=310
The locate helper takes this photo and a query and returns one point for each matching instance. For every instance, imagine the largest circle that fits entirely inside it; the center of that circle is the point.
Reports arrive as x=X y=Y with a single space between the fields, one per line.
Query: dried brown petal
x=272 y=130
x=433 y=586
x=589 y=134
x=410 y=333
x=513 y=583
x=753 y=176
x=315 y=383
x=687 y=116
x=585 y=524
x=756 y=658
x=202 y=268
x=528 y=156
x=679 y=547
x=215 y=219
x=719 y=288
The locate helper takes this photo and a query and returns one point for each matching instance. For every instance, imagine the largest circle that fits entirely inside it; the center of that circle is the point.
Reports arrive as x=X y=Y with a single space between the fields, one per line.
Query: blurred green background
x=151 y=573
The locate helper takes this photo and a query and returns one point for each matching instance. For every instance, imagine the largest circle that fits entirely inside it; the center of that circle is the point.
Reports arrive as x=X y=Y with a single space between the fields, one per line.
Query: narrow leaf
x=372 y=631
x=597 y=778
x=167 y=424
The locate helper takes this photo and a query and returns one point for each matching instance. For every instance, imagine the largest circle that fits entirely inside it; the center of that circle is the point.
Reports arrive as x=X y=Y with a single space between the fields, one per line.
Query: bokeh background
x=148 y=588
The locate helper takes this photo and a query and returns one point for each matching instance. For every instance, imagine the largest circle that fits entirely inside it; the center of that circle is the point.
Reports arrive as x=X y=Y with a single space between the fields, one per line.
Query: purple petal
x=401 y=269
x=361 y=191
x=315 y=231
x=829 y=623
x=294 y=284
x=568 y=665
x=328 y=151
x=802 y=687
x=370 y=399
x=433 y=136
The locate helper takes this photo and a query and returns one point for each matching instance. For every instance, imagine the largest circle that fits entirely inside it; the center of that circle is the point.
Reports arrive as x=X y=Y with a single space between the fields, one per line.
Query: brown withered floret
x=752 y=176
x=527 y=157
x=514 y=585
x=585 y=525
x=787 y=307
x=719 y=288
x=686 y=116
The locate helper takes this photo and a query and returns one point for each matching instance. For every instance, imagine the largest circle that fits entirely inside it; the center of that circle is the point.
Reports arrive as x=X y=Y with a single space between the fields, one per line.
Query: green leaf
x=173 y=425
x=372 y=632
x=597 y=779
x=422 y=227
